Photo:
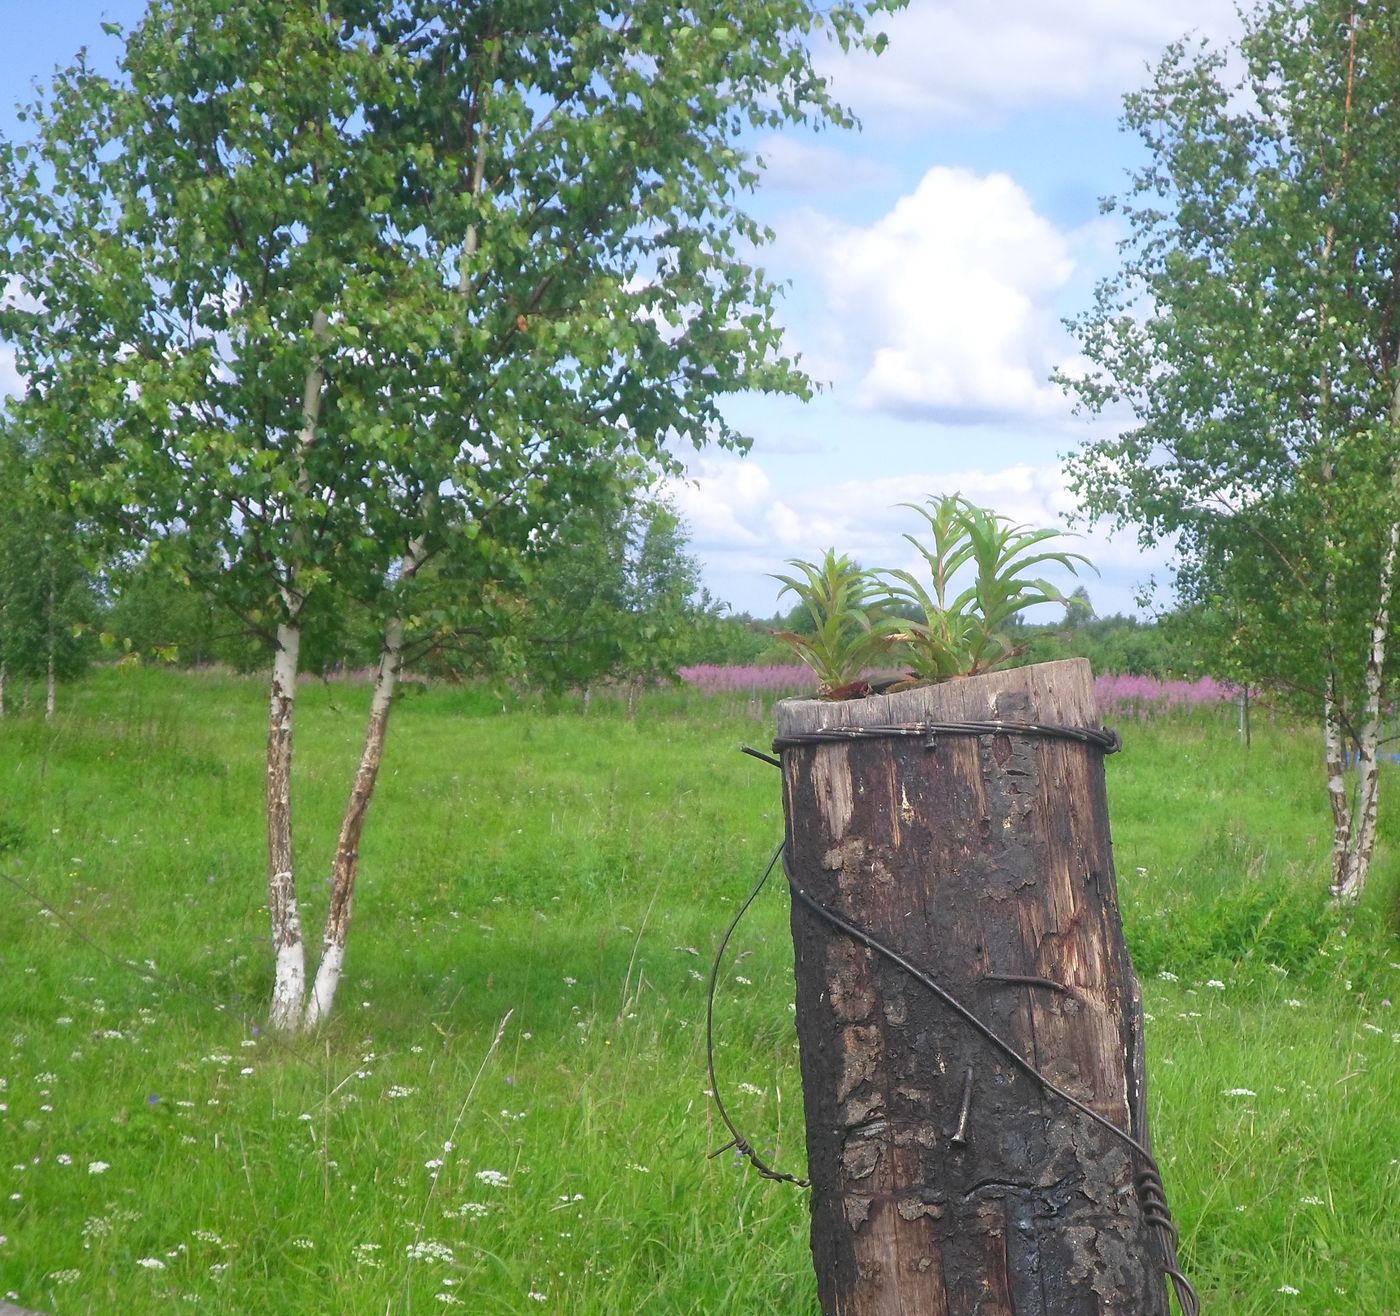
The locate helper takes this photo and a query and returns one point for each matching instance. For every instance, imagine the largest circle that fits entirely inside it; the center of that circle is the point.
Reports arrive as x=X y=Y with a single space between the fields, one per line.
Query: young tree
x=325 y=297
x=666 y=604
x=46 y=591
x=612 y=595
x=1253 y=331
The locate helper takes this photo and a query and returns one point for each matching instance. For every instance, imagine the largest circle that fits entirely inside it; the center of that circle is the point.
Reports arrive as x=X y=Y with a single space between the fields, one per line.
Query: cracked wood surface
x=945 y=1181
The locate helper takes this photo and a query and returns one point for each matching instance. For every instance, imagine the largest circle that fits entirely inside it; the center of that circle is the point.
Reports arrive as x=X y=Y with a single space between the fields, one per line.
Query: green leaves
x=849 y=633
x=858 y=623
x=1250 y=333
x=966 y=634
x=520 y=227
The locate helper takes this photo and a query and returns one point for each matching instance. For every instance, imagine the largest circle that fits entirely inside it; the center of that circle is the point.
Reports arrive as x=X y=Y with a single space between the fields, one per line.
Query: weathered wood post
x=946 y=1178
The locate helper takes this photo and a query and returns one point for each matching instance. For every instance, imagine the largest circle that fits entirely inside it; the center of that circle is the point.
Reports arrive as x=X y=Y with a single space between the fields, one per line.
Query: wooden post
x=946 y=1180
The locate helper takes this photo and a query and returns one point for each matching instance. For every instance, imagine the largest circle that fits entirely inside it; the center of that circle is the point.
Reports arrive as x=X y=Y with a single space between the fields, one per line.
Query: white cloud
x=13 y=295
x=11 y=382
x=963 y=58
x=792 y=165
x=723 y=500
x=944 y=308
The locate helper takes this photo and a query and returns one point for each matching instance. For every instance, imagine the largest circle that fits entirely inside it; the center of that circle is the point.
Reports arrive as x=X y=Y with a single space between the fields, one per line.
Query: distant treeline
x=620 y=605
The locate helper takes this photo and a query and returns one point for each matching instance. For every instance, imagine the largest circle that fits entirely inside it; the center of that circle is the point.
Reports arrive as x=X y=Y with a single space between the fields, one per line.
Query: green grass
x=564 y=869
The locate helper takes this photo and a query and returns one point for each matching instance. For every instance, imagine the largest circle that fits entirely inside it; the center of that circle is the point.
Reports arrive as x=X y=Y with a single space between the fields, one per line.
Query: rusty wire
x=1100 y=737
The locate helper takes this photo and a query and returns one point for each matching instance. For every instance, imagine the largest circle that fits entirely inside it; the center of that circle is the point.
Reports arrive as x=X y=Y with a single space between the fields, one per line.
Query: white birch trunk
x=289 y=983
x=1352 y=881
x=288 y=944
x=1334 y=753
x=1349 y=884
x=347 y=855
x=4 y=677
x=347 y=851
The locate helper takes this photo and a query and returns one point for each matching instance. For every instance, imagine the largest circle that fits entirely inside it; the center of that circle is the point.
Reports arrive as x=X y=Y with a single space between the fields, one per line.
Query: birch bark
x=288 y=944
x=289 y=982
x=1349 y=880
x=347 y=852
x=1335 y=757
x=347 y=855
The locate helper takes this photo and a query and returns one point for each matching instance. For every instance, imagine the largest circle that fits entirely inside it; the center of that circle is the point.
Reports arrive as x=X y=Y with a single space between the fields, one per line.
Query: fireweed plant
x=936 y=633
x=849 y=629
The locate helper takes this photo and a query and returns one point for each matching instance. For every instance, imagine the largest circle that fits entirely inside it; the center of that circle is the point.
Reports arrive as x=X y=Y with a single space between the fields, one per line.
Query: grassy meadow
x=508 y=1111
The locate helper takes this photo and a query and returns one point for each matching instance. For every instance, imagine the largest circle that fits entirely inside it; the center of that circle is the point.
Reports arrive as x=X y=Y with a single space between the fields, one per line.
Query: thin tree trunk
x=1348 y=886
x=50 y=675
x=1334 y=752
x=289 y=947
x=347 y=852
x=347 y=856
x=289 y=984
x=4 y=677
x=1343 y=811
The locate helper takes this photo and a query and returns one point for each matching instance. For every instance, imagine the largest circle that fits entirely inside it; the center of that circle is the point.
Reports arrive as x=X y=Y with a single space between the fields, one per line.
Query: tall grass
x=568 y=875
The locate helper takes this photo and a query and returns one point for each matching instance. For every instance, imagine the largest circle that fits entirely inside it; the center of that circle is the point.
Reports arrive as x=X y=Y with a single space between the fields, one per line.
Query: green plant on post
x=966 y=635
x=848 y=634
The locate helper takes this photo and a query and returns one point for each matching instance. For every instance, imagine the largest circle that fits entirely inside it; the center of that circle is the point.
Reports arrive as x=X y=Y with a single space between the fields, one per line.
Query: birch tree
x=318 y=296
x=46 y=591
x=1252 y=333
x=615 y=598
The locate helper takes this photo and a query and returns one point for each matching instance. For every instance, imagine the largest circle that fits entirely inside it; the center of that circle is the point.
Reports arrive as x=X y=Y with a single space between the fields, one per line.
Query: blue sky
x=931 y=257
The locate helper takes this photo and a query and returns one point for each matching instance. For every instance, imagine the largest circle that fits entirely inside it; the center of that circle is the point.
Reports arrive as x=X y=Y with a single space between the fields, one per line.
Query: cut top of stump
x=1059 y=693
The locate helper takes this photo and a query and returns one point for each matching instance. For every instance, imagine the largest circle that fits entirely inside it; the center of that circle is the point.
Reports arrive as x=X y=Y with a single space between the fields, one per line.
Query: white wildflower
x=429 y=1249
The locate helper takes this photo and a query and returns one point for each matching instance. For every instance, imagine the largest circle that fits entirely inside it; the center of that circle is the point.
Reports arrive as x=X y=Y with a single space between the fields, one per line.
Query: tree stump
x=946 y=1180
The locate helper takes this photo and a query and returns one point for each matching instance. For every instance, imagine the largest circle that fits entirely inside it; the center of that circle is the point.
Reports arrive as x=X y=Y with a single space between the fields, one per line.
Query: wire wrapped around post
x=969 y=1021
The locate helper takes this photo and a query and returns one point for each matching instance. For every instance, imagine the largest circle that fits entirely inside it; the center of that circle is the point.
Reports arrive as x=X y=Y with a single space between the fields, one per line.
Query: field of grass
x=508 y=1112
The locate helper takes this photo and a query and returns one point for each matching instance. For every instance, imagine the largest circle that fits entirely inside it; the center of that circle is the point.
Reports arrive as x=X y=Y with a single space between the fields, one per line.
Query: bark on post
x=946 y=1181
